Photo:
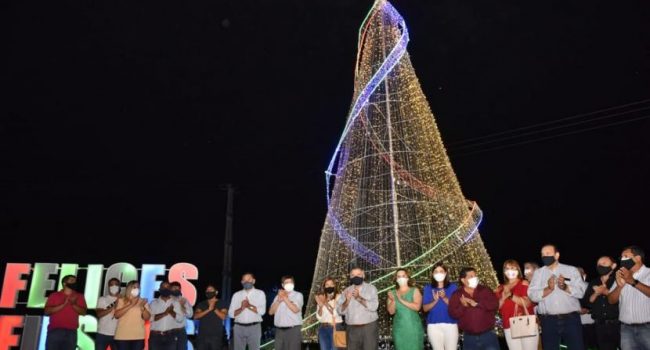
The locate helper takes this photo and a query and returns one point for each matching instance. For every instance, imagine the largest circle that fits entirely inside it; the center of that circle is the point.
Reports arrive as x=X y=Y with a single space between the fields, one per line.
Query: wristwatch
x=636 y=281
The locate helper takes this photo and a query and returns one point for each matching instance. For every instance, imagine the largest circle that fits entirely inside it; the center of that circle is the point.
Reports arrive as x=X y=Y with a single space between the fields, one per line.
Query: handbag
x=339 y=337
x=340 y=340
x=523 y=326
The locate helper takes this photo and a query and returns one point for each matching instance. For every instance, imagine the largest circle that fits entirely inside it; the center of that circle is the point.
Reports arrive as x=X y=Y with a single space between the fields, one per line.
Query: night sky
x=122 y=119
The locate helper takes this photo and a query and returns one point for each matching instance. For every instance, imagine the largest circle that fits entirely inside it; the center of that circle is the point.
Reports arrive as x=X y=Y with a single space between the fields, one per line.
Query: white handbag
x=523 y=326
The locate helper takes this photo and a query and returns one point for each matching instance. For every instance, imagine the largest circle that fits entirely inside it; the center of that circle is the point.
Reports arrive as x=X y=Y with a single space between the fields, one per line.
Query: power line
x=577 y=116
x=552 y=136
x=539 y=131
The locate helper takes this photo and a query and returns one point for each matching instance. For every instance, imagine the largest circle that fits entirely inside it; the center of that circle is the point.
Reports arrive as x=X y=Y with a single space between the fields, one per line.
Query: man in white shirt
x=359 y=303
x=558 y=288
x=287 y=316
x=187 y=311
x=247 y=307
x=165 y=314
x=105 y=311
x=632 y=291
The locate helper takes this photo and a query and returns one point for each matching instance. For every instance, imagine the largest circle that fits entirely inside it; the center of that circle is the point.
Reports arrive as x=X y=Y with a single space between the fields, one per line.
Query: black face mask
x=603 y=270
x=329 y=290
x=165 y=293
x=357 y=281
x=548 y=260
x=628 y=264
x=176 y=293
x=210 y=295
x=72 y=286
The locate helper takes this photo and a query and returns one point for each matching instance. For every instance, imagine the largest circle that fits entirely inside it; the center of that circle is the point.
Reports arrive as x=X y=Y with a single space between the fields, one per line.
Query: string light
x=390 y=165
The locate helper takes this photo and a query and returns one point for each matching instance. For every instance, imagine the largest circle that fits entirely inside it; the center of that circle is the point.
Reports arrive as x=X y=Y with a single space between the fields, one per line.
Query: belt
x=247 y=324
x=171 y=331
x=561 y=316
x=287 y=327
x=637 y=324
x=360 y=325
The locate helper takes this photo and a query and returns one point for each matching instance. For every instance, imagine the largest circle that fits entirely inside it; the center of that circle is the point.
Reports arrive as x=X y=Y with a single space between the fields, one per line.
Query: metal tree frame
x=394 y=199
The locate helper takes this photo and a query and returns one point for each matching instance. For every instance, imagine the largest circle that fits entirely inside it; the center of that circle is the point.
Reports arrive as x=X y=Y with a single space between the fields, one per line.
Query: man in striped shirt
x=632 y=291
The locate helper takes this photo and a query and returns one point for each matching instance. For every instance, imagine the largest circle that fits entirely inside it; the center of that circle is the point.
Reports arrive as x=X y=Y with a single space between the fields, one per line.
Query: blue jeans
x=102 y=341
x=326 y=337
x=165 y=341
x=566 y=328
x=635 y=337
x=484 y=341
x=181 y=340
x=61 y=339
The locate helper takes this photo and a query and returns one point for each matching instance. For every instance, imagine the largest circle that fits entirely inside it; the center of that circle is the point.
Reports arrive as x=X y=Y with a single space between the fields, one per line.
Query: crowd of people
x=539 y=307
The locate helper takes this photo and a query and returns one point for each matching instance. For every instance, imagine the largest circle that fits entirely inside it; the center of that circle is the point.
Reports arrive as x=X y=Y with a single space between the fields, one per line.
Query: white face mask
x=511 y=273
x=135 y=292
x=439 y=276
x=289 y=287
x=402 y=281
x=114 y=289
x=528 y=271
x=472 y=282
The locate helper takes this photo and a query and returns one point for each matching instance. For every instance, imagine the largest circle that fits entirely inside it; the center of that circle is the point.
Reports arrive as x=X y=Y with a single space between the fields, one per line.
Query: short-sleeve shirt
x=211 y=325
x=634 y=306
x=66 y=318
x=440 y=312
x=507 y=310
x=108 y=323
x=131 y=325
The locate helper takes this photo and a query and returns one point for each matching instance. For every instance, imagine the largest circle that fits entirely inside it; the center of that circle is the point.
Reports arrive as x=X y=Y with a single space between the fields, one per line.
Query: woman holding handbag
x=331 y=334
x=516 y=310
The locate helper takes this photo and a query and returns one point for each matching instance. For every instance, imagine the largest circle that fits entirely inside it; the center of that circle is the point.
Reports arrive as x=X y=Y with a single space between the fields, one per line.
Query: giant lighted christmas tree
x=394 y=199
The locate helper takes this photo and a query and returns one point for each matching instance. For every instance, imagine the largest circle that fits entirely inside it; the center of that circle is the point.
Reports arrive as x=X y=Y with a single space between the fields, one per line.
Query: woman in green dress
x=404 y=304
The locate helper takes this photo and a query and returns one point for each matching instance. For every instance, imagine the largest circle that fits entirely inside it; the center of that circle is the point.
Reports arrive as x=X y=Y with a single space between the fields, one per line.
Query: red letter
x=182 y=272
x=13 y=284
x=7 y=325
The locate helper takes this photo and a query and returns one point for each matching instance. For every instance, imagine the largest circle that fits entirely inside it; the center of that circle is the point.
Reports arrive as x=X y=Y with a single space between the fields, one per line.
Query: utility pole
x=226 y=274
x=226 y=283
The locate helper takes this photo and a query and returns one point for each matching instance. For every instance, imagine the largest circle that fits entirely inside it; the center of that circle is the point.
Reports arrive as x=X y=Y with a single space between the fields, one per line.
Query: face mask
x=135 y=292
x=247 y=285
x=472 y=282
x=114 y=289
x=165 y=292
x=603 y=270
x=511 y=274
x=627 y=263
x=528 y=271
x=356 y=280
x=548 y=260
x=288 y=287
x=439 y=277
x=329 y=290
x=210 y=295
x=176 y=293
x=72 y=286
x=402 y=281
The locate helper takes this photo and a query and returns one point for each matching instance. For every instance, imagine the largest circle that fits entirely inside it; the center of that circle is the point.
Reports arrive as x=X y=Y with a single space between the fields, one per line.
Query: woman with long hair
x=513 y=301
x=326 y=313
x=442 y=329
x=131 y=313
x=404 y=303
